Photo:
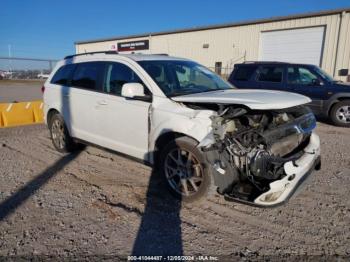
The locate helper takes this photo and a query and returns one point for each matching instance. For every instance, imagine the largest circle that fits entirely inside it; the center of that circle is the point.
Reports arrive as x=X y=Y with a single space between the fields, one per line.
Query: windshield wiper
x=180 y=93
x=216 y=89
x=196 y=92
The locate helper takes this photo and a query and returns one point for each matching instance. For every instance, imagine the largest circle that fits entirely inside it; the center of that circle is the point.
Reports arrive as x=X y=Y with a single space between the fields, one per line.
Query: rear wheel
x=60 y=135
x=181 y=166
x=340 y=113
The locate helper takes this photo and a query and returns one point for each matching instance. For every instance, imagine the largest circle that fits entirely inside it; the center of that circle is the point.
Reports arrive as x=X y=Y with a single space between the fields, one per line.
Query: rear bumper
x=296 y=174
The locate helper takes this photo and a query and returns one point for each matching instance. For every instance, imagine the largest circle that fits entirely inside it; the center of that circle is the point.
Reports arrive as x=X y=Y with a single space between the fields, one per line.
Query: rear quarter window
x=243 y=73
x=63 y=75
x=272 y=74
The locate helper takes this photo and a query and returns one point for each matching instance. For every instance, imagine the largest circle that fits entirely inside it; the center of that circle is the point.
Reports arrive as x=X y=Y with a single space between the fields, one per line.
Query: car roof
x=248 y=63
x=136 y=57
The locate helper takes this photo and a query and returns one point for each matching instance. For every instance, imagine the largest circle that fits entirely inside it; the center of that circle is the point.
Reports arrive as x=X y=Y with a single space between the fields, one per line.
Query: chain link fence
x=33 y=68
x=25 y=68
x=224 y=72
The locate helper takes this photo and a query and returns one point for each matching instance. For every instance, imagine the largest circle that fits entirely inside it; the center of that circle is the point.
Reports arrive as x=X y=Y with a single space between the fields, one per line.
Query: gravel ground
x=96 y=204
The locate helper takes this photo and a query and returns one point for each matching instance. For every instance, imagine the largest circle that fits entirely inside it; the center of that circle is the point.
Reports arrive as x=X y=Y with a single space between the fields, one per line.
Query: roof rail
x=91 y=53
x=264 y=62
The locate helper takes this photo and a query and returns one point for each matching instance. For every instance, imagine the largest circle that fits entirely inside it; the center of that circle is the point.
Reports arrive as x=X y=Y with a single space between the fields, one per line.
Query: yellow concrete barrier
x=23 y=113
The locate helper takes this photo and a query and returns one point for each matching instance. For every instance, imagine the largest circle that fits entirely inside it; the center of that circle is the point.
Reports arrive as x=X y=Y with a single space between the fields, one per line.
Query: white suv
x=253 y=146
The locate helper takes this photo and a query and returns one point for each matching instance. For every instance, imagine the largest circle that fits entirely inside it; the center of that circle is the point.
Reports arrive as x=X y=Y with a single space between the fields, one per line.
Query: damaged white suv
x=253 y=146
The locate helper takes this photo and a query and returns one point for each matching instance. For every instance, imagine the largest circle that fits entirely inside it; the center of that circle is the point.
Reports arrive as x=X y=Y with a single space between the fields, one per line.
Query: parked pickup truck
x=330 y=98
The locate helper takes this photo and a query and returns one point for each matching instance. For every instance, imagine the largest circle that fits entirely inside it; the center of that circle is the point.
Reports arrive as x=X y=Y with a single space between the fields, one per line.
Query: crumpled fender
x=184 y=120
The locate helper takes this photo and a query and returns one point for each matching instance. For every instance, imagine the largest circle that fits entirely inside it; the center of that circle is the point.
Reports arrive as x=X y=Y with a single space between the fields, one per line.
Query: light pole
x=9 y=46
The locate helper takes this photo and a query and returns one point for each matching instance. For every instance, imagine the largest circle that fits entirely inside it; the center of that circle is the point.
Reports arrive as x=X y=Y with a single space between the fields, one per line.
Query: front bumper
x=296 y=174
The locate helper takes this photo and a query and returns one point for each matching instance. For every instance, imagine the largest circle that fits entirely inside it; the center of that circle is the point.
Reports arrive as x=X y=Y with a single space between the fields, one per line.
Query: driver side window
x=301 y=76
x=189 y=77
x=117 y=75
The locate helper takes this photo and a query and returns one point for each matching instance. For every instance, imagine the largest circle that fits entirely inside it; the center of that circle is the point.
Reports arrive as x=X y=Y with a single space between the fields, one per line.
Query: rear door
x=305 y=81
x=80 y=100
x=271 y=77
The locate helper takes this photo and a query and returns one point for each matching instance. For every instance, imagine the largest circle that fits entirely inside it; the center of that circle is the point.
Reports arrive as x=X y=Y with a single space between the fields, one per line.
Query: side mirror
x=316 y=82
x=135 y=91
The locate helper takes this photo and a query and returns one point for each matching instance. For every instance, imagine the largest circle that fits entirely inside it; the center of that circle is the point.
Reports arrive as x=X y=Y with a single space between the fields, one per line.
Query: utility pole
x=9 y=46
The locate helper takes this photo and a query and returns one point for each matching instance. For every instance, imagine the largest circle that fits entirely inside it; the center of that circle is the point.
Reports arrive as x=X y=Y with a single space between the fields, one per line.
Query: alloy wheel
x=183 y=172
x=58 y=134
x=343 y=114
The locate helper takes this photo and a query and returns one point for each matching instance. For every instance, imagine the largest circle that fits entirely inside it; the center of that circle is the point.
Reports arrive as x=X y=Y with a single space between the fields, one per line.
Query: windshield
x=323 y=74
x=183 y=77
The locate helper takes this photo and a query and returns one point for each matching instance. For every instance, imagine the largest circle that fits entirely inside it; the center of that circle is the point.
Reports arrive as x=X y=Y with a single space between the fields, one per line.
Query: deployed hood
x=252 y=98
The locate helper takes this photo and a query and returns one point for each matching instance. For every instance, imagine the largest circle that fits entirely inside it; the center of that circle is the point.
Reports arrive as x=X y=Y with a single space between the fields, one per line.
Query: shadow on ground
x=9 y=206
x=160 y=229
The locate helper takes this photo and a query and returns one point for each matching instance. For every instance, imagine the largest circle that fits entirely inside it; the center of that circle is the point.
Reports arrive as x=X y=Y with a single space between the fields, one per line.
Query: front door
x=122 y=124
x=304 y=81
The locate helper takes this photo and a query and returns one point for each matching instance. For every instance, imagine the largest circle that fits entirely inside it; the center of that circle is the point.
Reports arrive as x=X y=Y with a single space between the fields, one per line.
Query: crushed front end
x=261 y=157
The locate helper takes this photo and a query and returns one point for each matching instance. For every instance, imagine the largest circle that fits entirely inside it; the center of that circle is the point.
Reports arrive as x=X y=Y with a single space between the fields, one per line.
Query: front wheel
x=340 y=113
x=181 y=166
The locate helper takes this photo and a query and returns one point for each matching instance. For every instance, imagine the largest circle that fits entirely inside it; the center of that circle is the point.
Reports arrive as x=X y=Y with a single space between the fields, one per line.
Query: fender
x=192 y=123
x=194 y=128
x=334 y=99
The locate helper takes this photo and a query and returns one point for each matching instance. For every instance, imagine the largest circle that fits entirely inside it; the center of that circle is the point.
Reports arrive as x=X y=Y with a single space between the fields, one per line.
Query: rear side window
x=270 y=74
x=88 y=75
x=116 y=76
x=244 y=73
x=63 y=75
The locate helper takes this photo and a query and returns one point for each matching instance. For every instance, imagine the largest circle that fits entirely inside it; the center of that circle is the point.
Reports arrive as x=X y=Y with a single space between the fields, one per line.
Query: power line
x=26 y=58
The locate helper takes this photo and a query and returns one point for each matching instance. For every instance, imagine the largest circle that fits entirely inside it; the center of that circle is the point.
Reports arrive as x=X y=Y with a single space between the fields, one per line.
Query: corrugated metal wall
x=241 y=43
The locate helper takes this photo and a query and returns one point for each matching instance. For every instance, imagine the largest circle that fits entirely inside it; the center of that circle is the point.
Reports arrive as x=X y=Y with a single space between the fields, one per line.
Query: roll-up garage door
x=293 y=45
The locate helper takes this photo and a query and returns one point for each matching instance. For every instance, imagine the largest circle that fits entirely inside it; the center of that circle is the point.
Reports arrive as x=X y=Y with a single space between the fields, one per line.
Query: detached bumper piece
x=296 y=173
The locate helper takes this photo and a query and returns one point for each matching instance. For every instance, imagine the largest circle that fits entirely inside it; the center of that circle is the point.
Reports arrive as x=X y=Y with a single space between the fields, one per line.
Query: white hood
x=252 y=98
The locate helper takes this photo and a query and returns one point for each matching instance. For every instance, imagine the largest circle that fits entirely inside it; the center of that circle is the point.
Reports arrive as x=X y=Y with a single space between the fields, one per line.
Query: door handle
x=102 y=102
x=65 y=95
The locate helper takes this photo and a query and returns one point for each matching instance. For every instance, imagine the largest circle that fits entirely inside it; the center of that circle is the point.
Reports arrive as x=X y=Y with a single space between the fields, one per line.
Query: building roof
x=217 y=26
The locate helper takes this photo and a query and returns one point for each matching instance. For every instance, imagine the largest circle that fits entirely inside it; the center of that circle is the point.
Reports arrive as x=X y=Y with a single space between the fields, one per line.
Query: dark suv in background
x=330 y=98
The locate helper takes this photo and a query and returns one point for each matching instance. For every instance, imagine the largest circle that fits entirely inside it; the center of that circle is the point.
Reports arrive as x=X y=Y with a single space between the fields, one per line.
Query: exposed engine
x=248 y=149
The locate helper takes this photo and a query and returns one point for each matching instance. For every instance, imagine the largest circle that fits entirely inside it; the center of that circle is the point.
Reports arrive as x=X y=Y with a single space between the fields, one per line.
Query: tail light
x=43 y=89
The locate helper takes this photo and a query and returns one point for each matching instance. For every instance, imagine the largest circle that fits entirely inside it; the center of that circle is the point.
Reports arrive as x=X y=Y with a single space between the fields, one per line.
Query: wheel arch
x=336 y=99
x=163 y=139
x=50 y=113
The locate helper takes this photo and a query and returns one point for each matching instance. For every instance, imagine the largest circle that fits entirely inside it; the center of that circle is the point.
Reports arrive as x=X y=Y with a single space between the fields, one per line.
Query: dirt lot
x=20 y=90
x=96 y=203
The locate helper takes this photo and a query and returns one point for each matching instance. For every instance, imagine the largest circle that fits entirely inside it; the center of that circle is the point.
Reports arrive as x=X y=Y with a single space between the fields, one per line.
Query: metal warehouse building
x=321 y=38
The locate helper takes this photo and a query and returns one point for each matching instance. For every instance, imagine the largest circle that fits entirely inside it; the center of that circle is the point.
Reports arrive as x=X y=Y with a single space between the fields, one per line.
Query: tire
x=186 y=180
x=60 y=137
x=340 y=114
